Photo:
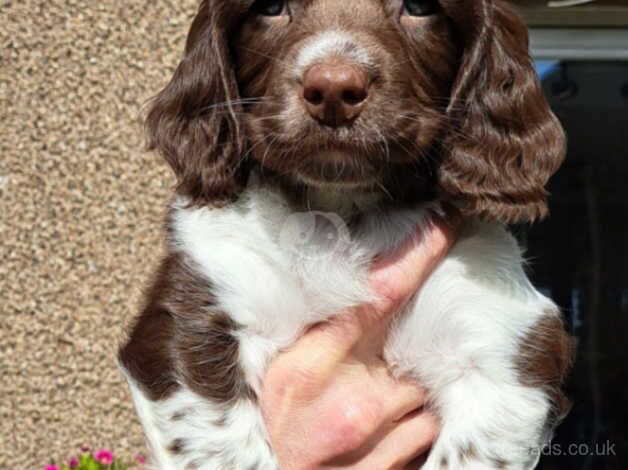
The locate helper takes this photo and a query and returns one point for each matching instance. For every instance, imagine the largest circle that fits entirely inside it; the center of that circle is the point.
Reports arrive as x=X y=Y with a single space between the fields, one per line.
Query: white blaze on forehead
x=331 y=43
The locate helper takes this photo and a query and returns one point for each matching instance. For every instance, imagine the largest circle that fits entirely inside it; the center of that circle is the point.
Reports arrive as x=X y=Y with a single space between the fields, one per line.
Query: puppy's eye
x=270 y=7
x=420 y=7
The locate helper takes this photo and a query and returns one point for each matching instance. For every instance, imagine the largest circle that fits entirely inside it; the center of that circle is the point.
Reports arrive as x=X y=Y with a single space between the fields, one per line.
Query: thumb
x=398 y=275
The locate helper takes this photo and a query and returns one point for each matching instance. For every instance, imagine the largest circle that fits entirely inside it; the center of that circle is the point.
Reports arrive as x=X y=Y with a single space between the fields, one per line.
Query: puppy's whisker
x=233 y=103
x=267 y=118
x=401 y=62
x=384 y=190
x=282 y=62
x=268 y=149
x=407 y=151
x=456 y=131
x=250 y=150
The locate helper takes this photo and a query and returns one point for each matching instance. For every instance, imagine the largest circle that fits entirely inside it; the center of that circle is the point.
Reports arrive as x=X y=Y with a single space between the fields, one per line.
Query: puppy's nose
x=335 y=95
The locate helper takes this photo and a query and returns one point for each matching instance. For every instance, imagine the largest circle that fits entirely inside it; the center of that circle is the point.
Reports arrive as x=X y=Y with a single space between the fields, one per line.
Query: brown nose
x=335 y=94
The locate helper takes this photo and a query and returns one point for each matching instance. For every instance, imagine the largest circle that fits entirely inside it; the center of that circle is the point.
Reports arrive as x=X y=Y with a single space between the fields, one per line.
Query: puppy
x=309 y=136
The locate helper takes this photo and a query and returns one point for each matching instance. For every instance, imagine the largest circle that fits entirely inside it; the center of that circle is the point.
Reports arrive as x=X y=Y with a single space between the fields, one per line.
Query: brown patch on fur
x=146 y=355
x=177 y=446
x=181 y=337
x=499 y=463
x=544 y=359
x=468 y=453
x=178 y=416
x=210 y=354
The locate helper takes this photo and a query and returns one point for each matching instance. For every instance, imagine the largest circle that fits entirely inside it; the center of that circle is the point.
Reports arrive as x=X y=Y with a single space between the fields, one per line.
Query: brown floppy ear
x=193 y=122
x=505 y=142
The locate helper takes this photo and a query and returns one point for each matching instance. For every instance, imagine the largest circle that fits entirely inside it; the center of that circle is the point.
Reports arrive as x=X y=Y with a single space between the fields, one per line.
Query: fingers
x=403 y=398
x=399 y=275
x=412 y=438
x=395 y=448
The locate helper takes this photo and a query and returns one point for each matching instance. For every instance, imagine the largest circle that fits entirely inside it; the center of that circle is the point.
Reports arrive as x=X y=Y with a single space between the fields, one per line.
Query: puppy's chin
x=338 y=170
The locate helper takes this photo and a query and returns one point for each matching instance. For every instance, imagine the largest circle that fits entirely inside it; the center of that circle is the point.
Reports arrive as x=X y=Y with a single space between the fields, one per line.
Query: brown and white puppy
x=307 y=137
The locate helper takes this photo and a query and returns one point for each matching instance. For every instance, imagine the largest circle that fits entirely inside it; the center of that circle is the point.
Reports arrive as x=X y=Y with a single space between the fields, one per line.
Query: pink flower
x=104 y=456
x=139 y=458
x=51 y=467
x=73 y=463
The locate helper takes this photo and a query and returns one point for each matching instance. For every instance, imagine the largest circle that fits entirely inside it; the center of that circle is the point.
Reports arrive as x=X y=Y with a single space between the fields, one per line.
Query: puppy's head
x=354 y=93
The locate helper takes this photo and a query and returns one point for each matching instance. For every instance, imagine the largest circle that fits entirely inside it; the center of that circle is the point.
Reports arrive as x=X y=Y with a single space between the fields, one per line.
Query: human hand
x=329 y=402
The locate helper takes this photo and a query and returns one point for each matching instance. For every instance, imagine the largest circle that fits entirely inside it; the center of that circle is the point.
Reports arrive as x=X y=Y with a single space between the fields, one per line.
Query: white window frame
x=579 y=44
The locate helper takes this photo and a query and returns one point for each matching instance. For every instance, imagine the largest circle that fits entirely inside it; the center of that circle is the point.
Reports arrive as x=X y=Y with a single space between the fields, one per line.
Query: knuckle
x=347 y=436
x=353 y=424
x=389 y=288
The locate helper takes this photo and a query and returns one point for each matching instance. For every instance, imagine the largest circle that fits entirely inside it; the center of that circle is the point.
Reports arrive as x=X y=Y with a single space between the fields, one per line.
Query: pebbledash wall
x=81 y=208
